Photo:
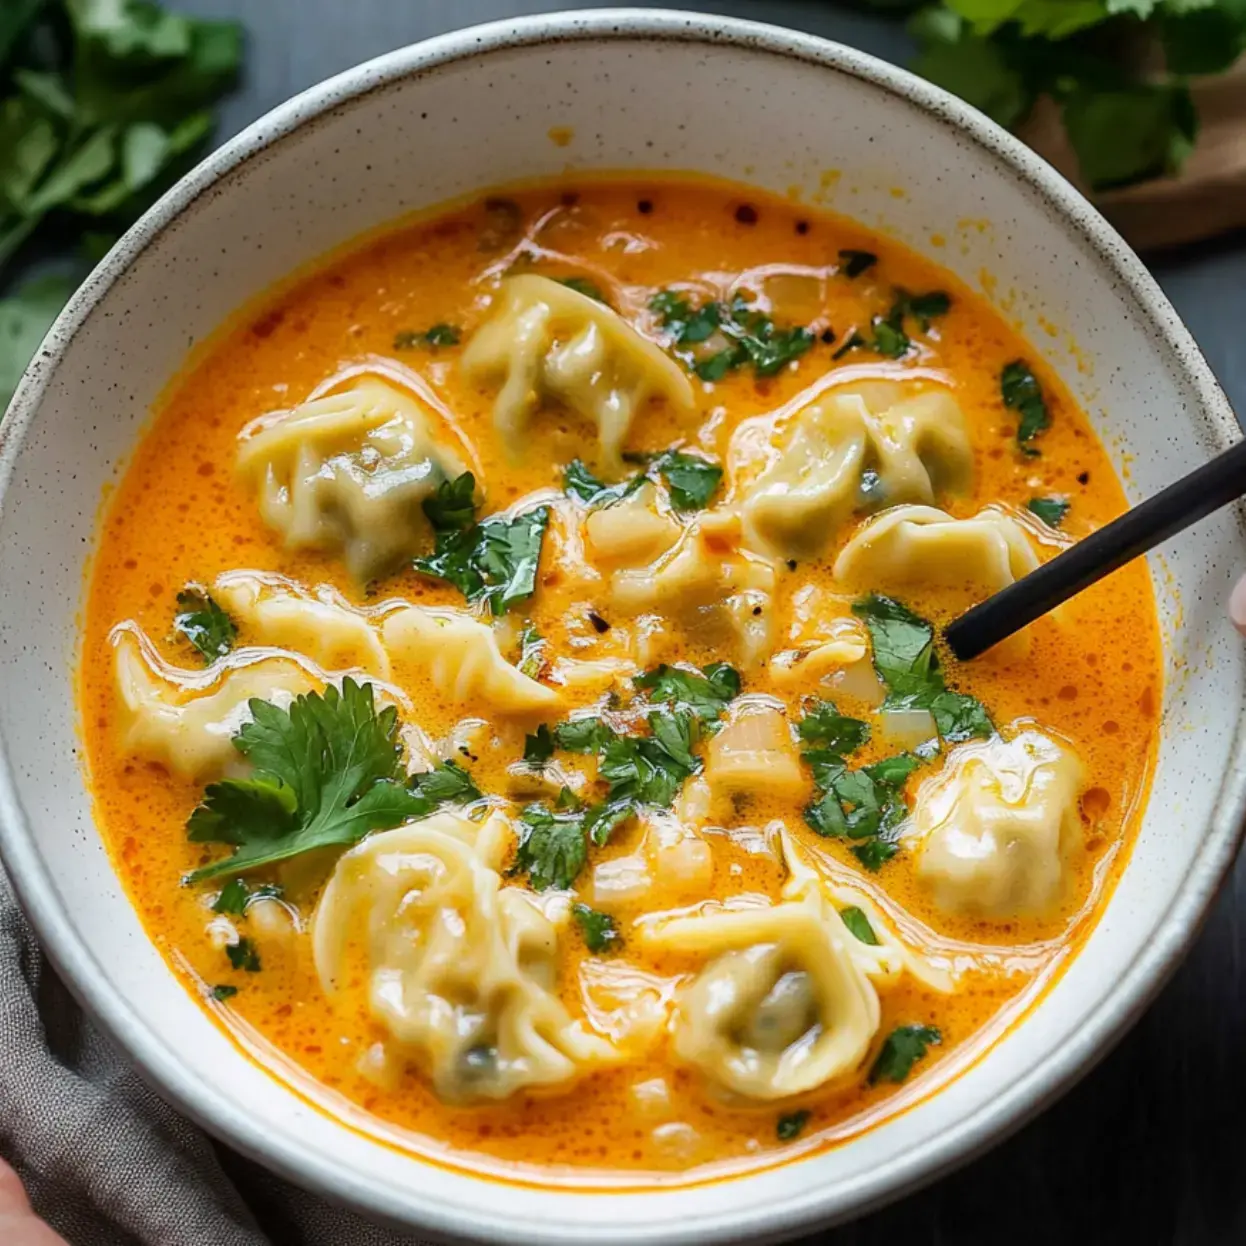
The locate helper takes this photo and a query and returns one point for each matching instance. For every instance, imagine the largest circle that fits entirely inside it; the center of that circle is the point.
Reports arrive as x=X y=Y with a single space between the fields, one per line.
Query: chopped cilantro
x=902 y=1049
x=692 y=480
x=327 y=771
x=493 y=561
x=905 y=659
x=1050 y=510
x=553 y=847
x=854 y=263
x=706 y=694
x=204 y=624
x=581 y=483
x=223 y=992
x=236 y=895
x=600 y=932
x=752 y=336
x=650 y=770
x=531 y=652
x=446 y=784
x=875 y=853
x=582 y=285
x=583 y=735
x=242 y=955
x=1022 y=393
x=791 y=1124
x=838 y=734
x=452 y=506
x=437 y=335
x=859 y=925
x=890 y=338
x=538 y=748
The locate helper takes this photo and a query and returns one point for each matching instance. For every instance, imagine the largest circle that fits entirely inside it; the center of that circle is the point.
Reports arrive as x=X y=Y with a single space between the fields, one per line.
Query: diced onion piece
x=907 y=728
x=861 y=681
x=682 y=861
x=622 y=879
x=630 y=532
x=754 y=753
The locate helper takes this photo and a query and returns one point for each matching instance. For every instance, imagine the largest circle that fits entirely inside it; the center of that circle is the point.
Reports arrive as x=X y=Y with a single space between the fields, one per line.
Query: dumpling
x=995 y=829
x=921 y=547
x=887 y=959
x=275 y=611
x=461 y=971
x=186 y=720
x=463 y=661
x=549 y=343
x=850 y=450
x=348 y=473
x=706 y=575
x=783 y=1007
x=754 y=754
x=629 y=532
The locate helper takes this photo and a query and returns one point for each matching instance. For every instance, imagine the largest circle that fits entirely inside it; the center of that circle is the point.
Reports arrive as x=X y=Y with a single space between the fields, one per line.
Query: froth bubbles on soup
x=514 y=693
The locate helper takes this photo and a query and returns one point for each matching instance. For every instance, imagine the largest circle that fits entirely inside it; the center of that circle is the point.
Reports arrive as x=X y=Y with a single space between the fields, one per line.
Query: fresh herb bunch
x=103 y=104
x=1118 y=70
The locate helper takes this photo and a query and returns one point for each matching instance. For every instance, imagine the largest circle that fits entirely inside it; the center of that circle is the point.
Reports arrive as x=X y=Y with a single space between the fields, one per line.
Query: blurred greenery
x=1117 y=70
x=103 y=105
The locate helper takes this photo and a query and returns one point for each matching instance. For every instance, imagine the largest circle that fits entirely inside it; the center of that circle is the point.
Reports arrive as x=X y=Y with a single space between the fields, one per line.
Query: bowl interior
x=641 y=92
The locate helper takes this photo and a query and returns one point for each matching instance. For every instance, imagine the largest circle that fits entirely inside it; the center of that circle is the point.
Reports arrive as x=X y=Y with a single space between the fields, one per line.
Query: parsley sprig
x=327 y=772
x=494 y=560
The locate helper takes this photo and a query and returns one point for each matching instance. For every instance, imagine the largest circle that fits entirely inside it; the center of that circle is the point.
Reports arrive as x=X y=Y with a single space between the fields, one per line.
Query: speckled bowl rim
x=1122 y=1002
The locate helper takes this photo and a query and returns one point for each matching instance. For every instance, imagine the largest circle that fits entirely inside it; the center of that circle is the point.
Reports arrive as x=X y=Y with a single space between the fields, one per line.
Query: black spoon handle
x=1147 y=525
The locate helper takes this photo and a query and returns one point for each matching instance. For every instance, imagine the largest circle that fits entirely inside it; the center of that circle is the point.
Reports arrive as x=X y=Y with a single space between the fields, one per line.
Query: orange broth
x=180 y=516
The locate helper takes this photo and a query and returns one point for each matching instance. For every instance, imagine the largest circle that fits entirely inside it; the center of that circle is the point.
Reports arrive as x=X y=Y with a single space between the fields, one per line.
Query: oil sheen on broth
x=641 y=833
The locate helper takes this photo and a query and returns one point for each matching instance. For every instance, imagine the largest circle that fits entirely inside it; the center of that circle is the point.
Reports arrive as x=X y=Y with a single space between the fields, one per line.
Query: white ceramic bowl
x=642 y=90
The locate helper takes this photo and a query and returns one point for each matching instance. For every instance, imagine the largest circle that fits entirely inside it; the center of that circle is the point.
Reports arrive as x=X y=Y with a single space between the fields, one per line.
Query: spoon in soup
x=1134 y=533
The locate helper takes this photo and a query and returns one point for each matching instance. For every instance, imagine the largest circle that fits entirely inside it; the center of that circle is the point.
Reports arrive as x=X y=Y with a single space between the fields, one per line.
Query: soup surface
x=514 y=698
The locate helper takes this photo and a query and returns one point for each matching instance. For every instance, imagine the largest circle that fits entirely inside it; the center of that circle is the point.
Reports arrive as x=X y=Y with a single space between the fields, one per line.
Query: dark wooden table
x=1148 y=1149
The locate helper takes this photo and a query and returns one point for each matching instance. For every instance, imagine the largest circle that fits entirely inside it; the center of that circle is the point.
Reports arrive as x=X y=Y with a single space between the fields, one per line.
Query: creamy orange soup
x=698 y=930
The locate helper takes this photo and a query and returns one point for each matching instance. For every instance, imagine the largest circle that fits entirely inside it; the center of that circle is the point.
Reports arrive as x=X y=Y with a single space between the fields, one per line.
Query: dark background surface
x=1148 y=1149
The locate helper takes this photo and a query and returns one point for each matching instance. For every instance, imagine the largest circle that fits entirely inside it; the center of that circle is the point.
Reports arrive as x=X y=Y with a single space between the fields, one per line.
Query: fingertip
x=1237 y=605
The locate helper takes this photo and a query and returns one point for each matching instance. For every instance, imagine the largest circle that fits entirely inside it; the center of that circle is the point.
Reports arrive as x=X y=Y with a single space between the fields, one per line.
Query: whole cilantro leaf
x=902 y=1049
x=581 y=483
x=583 y=735
x=327 y=773
x=202 y=622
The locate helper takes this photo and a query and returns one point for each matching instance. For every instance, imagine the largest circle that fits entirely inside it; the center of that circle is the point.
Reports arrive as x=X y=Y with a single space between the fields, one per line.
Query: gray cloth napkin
x=104 y=1159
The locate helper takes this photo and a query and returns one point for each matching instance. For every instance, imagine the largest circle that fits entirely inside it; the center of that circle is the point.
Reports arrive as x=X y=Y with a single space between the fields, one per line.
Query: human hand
x=19 y=1226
